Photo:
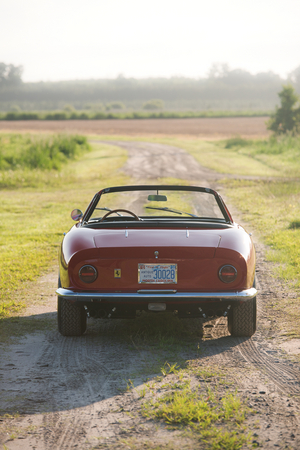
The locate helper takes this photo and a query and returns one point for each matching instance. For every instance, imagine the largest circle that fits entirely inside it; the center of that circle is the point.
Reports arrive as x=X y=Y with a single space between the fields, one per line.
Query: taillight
x=88 y=274
x=227 y=273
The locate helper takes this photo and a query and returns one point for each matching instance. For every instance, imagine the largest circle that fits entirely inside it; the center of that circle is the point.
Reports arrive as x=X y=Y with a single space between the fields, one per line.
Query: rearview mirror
x=157 y=198
x=76 y=214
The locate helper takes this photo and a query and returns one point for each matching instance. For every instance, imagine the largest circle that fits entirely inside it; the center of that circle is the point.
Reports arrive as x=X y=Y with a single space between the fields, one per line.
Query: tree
x=218 y=70
x=287 y=117
x=10 y=75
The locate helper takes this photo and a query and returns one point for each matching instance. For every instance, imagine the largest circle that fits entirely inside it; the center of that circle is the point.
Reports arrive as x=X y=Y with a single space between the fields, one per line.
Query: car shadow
x=42 y=371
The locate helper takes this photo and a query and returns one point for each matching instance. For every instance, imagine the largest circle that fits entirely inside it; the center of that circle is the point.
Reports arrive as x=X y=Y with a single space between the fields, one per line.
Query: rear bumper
x=148 y=295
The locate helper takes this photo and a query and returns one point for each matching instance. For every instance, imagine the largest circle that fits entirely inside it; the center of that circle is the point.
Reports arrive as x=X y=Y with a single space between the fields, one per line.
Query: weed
x=143 y=392
x=130 y=386
x=168 y=368
x=224 y=440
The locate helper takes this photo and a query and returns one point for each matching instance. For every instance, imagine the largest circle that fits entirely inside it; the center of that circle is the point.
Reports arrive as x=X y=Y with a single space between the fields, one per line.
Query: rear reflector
x=227 y=273
x=88 y=274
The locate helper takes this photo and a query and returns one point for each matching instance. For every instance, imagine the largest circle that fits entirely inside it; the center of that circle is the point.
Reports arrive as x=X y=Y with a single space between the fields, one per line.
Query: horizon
x=122 y=76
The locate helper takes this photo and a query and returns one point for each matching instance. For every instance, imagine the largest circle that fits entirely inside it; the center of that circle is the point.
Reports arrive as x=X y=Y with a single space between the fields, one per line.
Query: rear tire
x=71 y=318
x=242 y=319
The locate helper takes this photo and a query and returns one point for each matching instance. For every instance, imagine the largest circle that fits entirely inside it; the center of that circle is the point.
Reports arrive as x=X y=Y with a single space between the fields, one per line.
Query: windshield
x=157 y=203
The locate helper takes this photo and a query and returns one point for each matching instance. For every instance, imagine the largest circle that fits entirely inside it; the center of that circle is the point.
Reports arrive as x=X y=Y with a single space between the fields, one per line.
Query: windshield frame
x=93 y=204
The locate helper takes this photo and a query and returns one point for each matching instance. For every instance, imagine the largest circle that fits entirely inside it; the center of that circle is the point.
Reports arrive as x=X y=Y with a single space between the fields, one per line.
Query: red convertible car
x=159 y=249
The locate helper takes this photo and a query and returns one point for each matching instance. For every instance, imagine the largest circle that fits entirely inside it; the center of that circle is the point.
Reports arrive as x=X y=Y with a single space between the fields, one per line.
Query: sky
x=83 y=39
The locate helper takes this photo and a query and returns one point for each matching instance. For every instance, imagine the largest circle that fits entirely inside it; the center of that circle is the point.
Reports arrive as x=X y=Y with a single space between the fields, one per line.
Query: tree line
x=222 y=89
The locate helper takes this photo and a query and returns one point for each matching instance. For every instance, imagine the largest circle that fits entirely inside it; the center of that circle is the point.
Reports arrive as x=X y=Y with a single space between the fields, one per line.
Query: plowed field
x=210 y=128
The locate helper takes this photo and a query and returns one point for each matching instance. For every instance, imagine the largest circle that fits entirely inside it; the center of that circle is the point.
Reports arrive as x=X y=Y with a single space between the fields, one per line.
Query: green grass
x=197 y=410
x=273 y=208
x=33 y=218
x=266 y=158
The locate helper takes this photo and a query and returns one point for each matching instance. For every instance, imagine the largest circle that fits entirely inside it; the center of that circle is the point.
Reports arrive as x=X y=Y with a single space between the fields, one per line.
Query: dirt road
x=210 y=128
x=77 y=393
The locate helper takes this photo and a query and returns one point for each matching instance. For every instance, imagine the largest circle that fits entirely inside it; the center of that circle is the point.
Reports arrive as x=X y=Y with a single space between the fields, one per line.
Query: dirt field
x=71 y=392
x=252 y=127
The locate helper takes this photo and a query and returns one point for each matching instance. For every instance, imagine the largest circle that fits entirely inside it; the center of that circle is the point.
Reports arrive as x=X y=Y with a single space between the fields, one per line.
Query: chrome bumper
x=152 y=295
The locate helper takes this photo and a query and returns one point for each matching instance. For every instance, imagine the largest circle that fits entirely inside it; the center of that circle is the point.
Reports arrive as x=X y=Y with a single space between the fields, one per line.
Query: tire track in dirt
x=91 y=369
x=286 y=380
x=281 y=373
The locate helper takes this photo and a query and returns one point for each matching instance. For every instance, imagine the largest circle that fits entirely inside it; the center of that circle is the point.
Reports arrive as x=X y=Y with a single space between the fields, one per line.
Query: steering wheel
x=120 y=210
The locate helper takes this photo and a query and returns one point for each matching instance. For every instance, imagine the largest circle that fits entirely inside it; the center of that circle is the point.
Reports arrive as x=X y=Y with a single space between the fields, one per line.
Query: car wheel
x=71 y=318
x=242 y=319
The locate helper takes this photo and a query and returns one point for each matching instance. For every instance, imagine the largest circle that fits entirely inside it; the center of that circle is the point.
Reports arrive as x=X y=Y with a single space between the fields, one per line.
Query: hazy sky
x=72 y=39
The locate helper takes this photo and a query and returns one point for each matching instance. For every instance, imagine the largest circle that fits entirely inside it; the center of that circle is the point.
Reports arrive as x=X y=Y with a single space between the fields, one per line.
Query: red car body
x=193 y=266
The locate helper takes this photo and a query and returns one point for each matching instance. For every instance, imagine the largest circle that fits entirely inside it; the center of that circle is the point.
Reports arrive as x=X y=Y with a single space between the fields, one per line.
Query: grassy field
x=36 y=206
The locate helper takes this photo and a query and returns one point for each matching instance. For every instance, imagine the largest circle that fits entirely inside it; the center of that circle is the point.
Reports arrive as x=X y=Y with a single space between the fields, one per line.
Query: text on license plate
x=157 y=273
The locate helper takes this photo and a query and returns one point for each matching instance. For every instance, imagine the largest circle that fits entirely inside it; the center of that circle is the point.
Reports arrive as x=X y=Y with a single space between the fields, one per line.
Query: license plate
x=157 y=273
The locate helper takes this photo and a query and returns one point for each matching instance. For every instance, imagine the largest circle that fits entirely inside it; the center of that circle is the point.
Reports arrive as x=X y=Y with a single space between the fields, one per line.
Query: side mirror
x=76 y=214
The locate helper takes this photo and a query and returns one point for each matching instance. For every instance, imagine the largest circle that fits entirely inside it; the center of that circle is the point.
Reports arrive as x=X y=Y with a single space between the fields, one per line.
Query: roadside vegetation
x=36 y=201
x=19 y=152
x=151 y=112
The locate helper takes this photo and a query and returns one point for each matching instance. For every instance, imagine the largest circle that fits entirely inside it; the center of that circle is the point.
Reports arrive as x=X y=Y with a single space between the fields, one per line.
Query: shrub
x=114 y=105
x=153 y=104
x=23 y=152
x=237 y=141
x=56 y=116
x=21 y=116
